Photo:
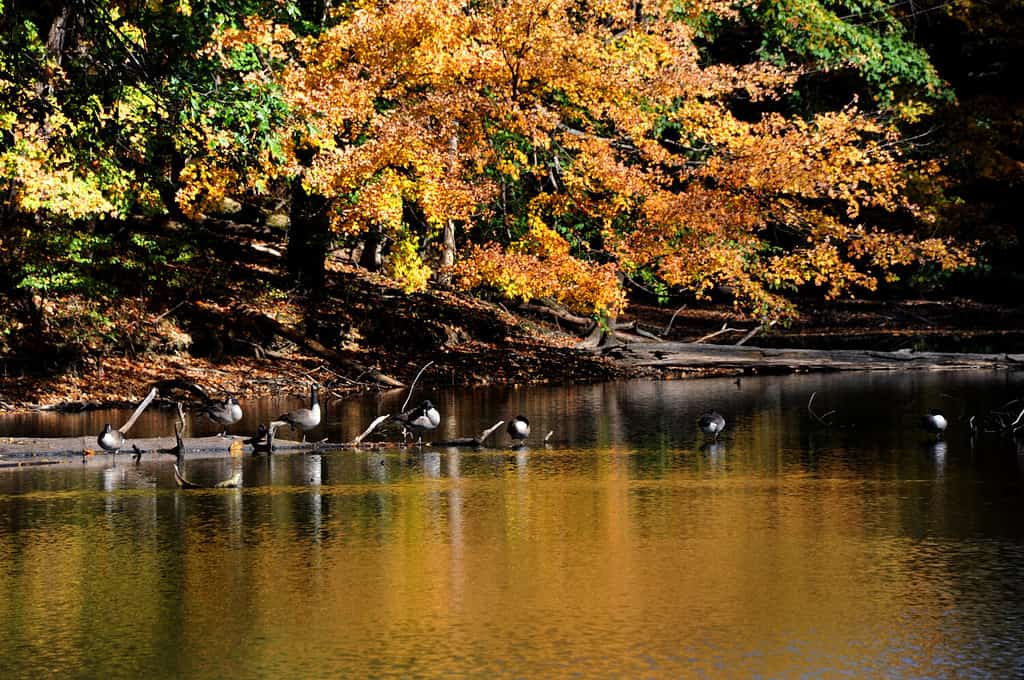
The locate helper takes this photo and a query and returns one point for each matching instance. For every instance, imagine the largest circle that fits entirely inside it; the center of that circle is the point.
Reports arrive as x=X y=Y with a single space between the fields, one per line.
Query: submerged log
x=683 y=355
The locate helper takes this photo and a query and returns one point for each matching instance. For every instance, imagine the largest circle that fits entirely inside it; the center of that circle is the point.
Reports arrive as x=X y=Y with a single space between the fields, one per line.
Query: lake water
x=627 y=548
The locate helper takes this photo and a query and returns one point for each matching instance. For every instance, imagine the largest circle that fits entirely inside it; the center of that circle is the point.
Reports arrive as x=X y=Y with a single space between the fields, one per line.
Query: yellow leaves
x=406 y=266
x=886 y=250
x=579 y=114
x=42 y=177
x=379 y=204
x=203 y=184
x=543 y=241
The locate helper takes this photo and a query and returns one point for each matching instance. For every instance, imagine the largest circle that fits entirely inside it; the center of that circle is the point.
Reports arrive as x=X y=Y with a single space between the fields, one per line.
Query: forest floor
x=247 y=336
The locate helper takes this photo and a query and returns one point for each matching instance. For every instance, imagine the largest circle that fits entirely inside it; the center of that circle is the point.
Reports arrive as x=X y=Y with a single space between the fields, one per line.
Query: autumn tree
x=576 y=143
x=104 y=105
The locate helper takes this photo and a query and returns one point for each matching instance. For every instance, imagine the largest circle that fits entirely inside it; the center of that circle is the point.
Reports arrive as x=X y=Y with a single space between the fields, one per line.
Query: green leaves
x=864 y=37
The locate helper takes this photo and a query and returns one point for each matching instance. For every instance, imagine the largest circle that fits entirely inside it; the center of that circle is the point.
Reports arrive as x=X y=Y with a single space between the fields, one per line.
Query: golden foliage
x=540 y=266
x=445 y=108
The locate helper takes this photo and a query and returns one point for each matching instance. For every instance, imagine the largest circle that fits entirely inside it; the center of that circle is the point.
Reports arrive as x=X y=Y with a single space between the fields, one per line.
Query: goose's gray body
x=304 y=419
x=225 y=413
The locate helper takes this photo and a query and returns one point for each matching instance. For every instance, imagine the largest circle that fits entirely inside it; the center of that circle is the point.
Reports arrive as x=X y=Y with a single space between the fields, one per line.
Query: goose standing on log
x=711 y=423
x=420 y=419
x=227 y=412
x=519 y=429
x=935 y=422
x=110 y=439
x=303 y=419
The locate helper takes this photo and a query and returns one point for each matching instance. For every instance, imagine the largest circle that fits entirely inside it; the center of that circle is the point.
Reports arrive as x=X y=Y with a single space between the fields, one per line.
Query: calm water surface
x=629 y=548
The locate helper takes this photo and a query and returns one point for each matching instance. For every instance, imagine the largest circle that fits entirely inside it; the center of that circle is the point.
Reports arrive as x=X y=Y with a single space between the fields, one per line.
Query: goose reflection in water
x=377 y=466
x=522 y=460
x=432 y=464
x=313 y=470
x=712 y=449
x=937 y=450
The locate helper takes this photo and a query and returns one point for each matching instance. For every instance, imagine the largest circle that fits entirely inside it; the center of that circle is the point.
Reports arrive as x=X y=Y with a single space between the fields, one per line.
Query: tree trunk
x=447 y=253
x=448 y=233
x=308 y=235
x=57 y=38
x=370 y=258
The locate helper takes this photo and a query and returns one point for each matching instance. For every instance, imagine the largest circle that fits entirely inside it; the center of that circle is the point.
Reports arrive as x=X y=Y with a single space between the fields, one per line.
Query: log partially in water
x=18 y=451
x=85 y=446
x=684 y=355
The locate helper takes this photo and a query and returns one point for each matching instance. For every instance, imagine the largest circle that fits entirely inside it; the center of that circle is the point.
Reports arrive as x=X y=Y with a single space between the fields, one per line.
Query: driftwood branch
x=1015 y=423
x=821 y=418
x=724 y=329
x=138 y=412
x=585 y=323
x=476 y=442
x=413 y=386
x=668 y=328
x=373 y=426
x=693 y=356
x=754 y=331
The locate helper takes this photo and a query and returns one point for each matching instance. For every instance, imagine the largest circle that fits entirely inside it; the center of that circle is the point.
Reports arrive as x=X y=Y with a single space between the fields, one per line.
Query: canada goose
x=110 y=439
x=934 y=423
x=711 y=423
x=519 y=428
x=303 y=419
x=227 y=412
x=262 y=441
x=420 y=419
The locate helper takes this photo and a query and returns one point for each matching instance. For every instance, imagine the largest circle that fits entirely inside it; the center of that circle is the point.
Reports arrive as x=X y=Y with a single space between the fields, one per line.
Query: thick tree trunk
x=60 y=29
x=308 y=235
x=58 y=37
x=447 y=253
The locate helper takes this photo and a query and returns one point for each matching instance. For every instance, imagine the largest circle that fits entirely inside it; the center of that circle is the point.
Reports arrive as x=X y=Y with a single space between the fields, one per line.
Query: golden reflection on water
x=779 y=552
x=597 y=575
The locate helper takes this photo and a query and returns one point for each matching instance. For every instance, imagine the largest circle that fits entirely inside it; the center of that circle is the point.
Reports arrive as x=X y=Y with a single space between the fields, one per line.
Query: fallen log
x=15 y=451
x=683 y=355
x=160 y=448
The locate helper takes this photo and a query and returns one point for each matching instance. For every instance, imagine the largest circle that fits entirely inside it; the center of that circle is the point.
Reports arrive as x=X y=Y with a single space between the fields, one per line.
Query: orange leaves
x=602 y=115
x=540 y=266
x=260 y=33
